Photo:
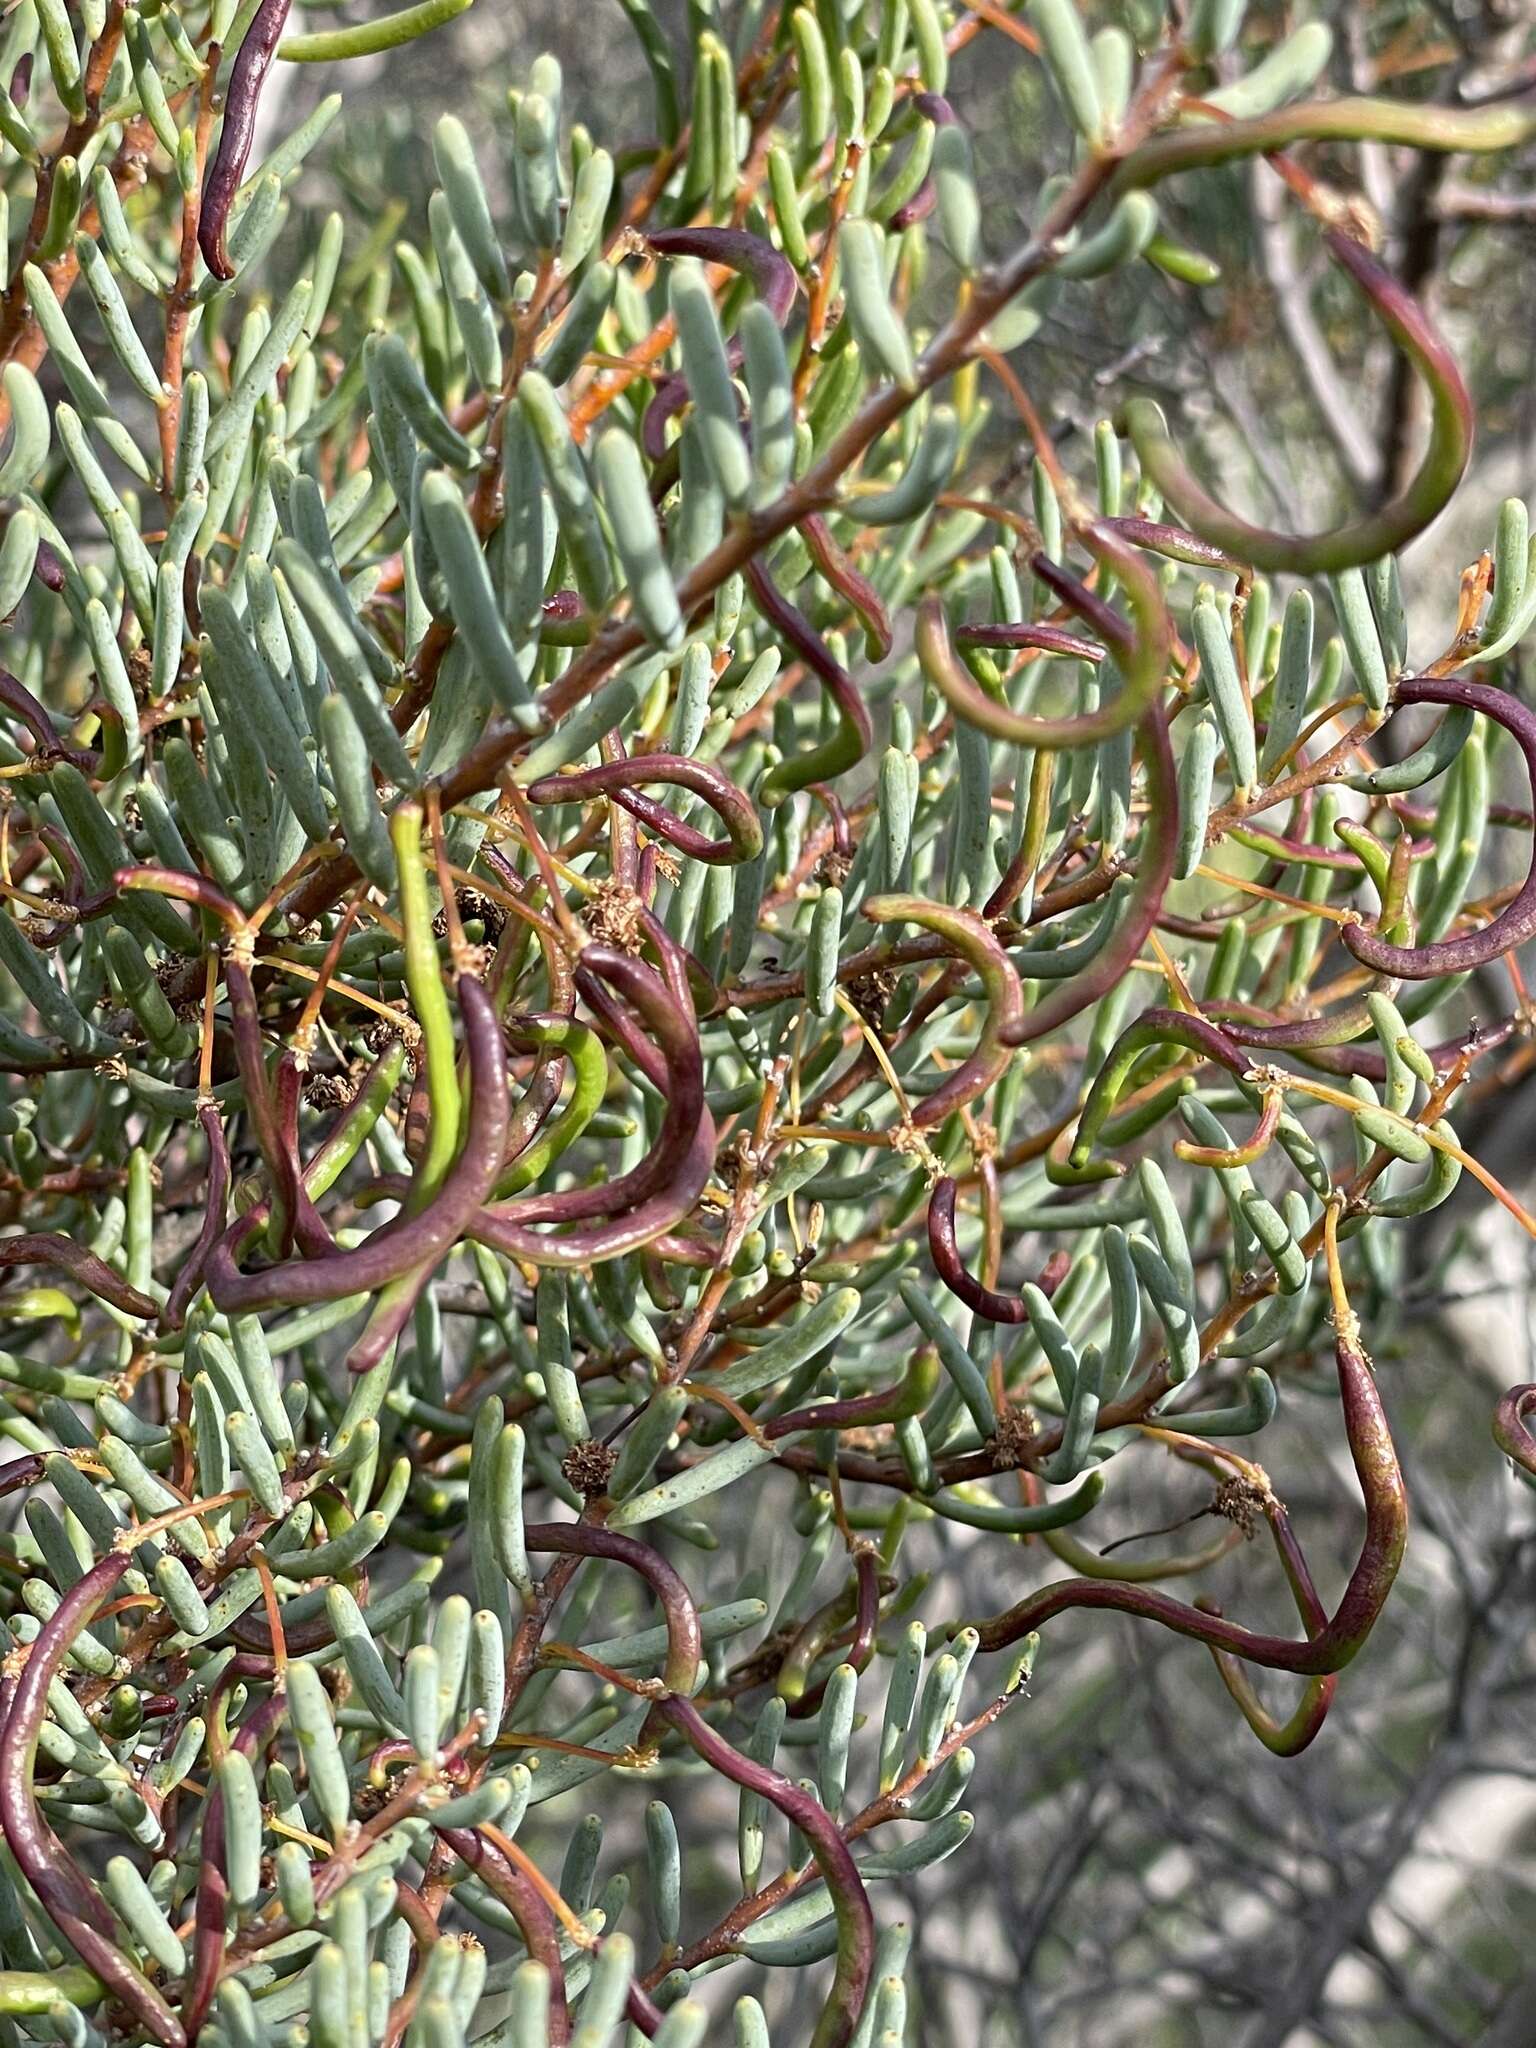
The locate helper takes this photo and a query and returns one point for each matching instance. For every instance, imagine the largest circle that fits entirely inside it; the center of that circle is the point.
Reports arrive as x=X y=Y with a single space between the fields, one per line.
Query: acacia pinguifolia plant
x=655 y=943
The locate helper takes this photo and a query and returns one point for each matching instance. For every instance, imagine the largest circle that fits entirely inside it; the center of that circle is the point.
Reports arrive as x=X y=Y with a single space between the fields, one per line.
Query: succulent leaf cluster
x=656 y=947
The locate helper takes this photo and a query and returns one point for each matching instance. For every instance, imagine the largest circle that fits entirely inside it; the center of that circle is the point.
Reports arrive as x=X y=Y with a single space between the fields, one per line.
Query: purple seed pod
x=50 y=1248
x=242 y=98
x=412 y=1241
x=1341 y=1637
x=950 y=1267
x=1516 y=922
x=67 y=1895
x=733 y=807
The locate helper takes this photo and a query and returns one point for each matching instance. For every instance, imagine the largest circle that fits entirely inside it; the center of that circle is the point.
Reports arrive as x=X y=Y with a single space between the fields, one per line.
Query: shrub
x=630 y=991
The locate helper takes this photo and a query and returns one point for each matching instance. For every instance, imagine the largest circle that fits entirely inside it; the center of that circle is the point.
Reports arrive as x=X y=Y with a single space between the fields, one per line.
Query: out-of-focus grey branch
x=1349 y=432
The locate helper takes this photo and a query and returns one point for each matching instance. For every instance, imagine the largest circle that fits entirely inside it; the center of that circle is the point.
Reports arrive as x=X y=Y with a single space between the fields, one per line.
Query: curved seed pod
x=241 y=102
x=1341 y=1636
x=1152 y=1027
x=877 y=325
x=1224 y=687
x=744 y=832
x=1142 y=655
x=972 y=940
x=1363 y=540
x=1517 y=921
x=851 y=740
